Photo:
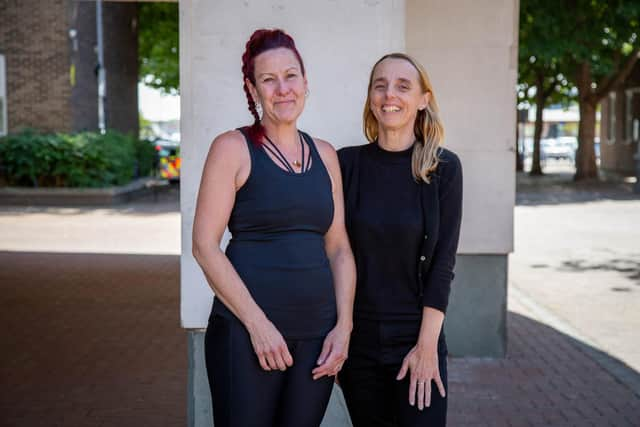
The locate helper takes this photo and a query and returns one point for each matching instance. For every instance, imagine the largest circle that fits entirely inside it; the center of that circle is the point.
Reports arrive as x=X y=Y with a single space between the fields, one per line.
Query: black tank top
x=278 y=223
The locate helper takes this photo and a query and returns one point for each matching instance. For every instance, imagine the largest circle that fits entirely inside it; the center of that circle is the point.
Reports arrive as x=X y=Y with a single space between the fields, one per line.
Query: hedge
x=86 y=159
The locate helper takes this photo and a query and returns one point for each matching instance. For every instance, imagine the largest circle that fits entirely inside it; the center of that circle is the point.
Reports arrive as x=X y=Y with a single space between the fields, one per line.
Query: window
x=3 y=97
x=611 y=118
x=632 y=116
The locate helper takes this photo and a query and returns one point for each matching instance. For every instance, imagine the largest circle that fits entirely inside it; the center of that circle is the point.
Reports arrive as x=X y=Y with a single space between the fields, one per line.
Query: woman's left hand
x=334 y=352
x=422 y=362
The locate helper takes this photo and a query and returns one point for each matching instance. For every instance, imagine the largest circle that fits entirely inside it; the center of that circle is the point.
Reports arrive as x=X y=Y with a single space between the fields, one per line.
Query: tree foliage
x=541 y=66
x=592 y=44
x=158 y=46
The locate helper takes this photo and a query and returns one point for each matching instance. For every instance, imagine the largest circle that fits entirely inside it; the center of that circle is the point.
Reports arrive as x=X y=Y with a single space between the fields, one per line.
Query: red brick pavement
x=91 y=340
x=547 y=379
x=94 y=340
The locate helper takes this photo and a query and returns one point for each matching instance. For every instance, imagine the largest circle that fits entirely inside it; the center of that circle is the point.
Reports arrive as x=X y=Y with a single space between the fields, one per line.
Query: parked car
x=561 y=148
x=169 y=161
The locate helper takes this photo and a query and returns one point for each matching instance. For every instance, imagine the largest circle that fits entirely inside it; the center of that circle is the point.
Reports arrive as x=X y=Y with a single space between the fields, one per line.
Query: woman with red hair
x=282 y=315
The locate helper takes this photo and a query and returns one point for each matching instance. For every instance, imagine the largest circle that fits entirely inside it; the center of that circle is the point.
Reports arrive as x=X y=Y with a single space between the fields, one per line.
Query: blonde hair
x=428 y=128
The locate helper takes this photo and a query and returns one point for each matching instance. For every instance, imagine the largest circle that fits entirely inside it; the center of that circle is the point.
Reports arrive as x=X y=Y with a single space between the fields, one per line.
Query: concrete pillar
x=470 y=50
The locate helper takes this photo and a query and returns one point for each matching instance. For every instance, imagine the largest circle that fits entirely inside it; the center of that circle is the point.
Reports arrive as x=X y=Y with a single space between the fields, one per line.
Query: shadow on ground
x=95 y=340
x=559 y=188
x=630 y=268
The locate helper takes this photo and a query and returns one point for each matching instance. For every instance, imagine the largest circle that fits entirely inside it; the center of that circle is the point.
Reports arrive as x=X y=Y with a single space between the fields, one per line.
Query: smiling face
x=279 y=86
x=396 y=95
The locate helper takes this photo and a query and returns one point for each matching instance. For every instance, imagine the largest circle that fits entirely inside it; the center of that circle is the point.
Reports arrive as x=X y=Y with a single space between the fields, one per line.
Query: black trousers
x=245 y=395
x=368 y=379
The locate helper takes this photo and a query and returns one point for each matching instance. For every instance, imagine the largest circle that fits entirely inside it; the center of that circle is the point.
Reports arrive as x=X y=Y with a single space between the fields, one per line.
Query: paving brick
x=89 y=345
x=94 y=340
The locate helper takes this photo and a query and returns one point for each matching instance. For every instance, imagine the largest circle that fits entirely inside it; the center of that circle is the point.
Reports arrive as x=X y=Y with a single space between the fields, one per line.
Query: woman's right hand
x=269 y=345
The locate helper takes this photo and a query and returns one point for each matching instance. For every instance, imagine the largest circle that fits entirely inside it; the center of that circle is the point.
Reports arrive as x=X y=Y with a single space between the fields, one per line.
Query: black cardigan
x=443 y=195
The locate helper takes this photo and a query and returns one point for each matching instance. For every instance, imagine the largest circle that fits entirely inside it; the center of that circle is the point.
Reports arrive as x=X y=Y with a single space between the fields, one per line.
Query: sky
x=155 y=106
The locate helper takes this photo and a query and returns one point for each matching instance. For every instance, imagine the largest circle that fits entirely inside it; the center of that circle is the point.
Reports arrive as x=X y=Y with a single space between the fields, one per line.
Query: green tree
x=590 y=44
x=542 y=66
x=158 y=46
x=602 y=50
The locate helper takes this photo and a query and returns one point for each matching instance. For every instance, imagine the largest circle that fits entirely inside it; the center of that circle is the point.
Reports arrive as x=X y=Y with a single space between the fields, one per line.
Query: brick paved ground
x=547 y=379
x=91 y=340
x=94 y=340
x=577 y=253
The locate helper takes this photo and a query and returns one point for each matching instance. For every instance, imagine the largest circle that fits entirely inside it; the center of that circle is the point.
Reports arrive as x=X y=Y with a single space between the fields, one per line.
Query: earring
x=306 y=93
x=259 y=109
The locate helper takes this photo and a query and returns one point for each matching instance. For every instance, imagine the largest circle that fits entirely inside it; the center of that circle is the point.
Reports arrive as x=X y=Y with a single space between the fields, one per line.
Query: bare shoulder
x=327 y=151
x=230 y=143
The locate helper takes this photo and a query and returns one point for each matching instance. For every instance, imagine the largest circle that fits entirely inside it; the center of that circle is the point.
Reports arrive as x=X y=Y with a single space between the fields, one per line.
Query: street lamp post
x=102 y=73
x=636 y=187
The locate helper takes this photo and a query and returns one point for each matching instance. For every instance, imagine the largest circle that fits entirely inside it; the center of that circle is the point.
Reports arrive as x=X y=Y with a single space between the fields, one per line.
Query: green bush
x=86 y=159
x=146 y=156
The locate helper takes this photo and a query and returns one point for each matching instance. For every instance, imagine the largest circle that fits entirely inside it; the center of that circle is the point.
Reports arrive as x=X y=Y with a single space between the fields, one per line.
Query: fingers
x=440 y=385
x=331 y=358
x=427 y=394
x=288 y=359
x=326 y=350
x=403 y=369
x=421 y=394
x=331 y=366
x=412 y=390
x=263 y=362
x=271 y=361
x=277 y=358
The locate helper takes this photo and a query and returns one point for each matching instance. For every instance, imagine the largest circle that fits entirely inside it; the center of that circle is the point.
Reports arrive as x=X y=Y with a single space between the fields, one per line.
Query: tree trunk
x=536 y=169
x=519 y=150
x=586 y=167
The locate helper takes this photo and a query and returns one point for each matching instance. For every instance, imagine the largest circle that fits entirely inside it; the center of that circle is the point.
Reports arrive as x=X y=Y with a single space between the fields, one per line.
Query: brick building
x=620 y=127
x=48 y=65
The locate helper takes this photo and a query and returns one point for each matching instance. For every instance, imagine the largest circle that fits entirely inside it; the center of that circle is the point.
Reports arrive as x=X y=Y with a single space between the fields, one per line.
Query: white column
x=339 y=41
x=470 y=50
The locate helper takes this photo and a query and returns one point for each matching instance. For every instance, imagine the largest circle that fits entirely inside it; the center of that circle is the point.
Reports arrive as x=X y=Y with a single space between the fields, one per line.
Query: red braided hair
x=261 y=41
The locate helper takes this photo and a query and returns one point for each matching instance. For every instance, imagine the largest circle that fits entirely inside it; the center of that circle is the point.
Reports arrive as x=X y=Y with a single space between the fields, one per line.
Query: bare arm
x=225 y=170
x=343 y=268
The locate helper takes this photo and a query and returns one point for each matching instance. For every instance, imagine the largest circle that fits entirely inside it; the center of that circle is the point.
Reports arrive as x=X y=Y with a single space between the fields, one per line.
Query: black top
x=278 y=223
x=387 y=233
x=404 y=234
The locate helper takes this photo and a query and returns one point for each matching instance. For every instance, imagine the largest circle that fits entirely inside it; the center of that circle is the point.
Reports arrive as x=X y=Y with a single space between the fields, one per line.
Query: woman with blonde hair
x=403 y=207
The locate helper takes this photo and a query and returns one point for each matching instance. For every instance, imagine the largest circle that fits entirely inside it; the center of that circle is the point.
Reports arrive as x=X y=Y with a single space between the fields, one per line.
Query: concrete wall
x=470 y=50
x=339 y=42
x=473 y=68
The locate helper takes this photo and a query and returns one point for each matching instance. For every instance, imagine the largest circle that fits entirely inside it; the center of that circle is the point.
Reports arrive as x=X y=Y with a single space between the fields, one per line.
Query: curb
x=23 y=196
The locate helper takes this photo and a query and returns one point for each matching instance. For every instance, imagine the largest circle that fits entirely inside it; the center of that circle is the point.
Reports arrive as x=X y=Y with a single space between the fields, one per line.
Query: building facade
x=620 y=128
x=48 y=66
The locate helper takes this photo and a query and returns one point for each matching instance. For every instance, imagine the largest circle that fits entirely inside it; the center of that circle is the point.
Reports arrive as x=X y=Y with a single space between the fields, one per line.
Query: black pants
x=245 y=395
x=374 y=397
